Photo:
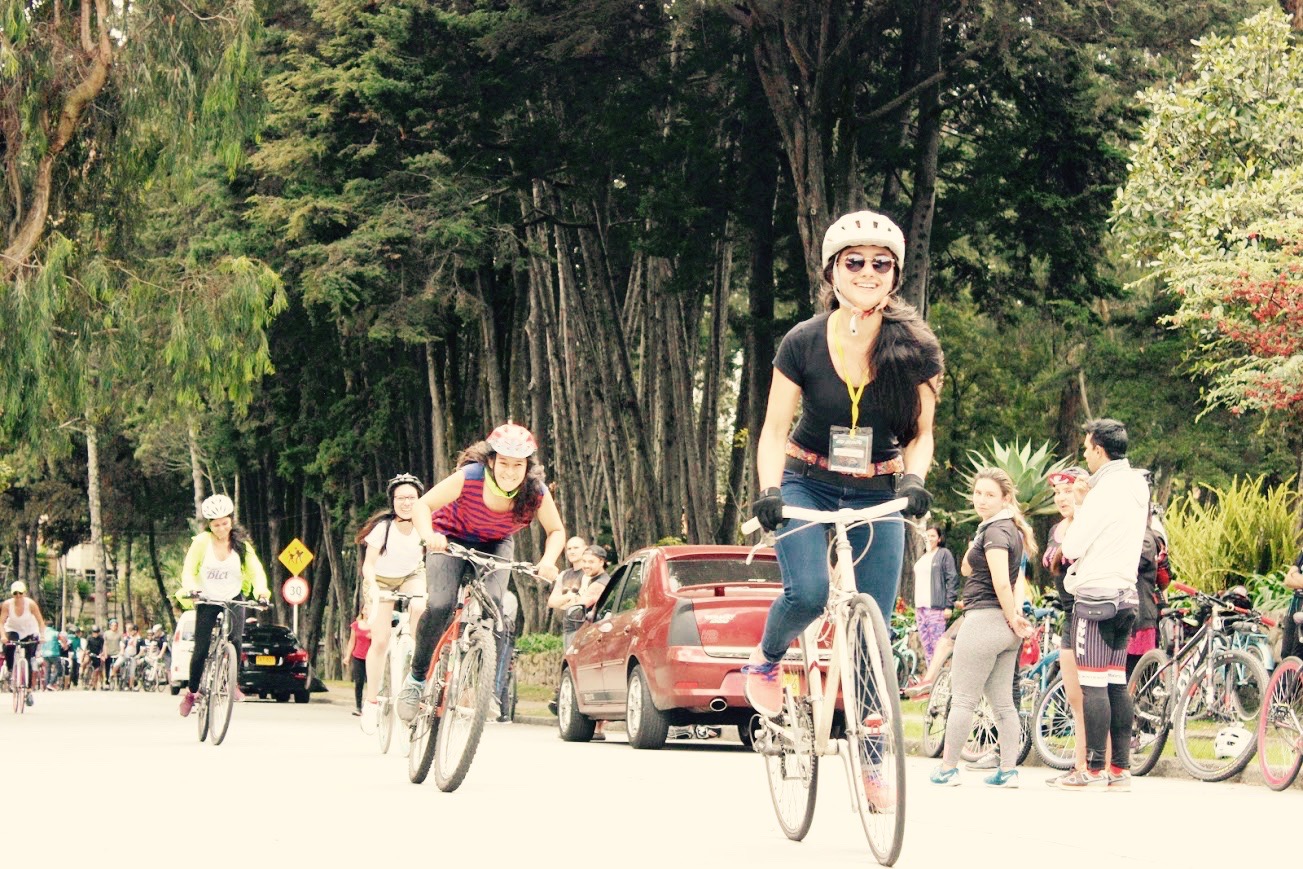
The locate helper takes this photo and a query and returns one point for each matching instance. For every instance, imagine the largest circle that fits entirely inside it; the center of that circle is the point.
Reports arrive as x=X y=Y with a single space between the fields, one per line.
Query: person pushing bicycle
x=497 y=489
x=220 y=565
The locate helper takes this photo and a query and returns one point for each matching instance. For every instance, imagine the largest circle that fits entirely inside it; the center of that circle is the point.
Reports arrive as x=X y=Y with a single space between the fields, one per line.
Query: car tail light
x=683 y=625
x=298 y=656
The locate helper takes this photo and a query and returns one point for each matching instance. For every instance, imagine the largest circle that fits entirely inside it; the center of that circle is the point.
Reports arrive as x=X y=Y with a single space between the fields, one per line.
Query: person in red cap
x=497 y=489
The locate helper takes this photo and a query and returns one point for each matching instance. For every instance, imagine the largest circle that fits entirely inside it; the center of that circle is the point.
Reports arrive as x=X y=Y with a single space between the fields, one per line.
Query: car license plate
x=792 y=682
x=265 y=661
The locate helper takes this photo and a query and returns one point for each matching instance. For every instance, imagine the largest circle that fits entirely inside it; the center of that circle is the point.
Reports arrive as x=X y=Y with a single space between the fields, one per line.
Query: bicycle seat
x=1044 y=612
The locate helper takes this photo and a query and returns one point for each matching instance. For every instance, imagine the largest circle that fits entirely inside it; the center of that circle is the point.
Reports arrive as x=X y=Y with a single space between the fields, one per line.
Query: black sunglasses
x=855 y=263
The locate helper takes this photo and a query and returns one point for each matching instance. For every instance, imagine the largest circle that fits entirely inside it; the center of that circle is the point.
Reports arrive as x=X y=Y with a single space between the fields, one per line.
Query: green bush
x=1268 y=591
x=528 y=644
x=1233 y=534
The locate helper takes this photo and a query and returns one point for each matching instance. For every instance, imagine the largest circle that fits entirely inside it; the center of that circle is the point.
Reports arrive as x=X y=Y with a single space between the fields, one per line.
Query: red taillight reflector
x=297 y=657
x=686 y=686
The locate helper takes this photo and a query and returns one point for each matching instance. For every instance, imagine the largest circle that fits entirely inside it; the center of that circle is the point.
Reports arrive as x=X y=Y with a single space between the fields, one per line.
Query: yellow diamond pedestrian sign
x=295 y=557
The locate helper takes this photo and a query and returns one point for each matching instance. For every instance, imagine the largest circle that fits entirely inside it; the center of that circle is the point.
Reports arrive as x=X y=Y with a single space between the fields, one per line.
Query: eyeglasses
x=405 y=498
x=855 y=263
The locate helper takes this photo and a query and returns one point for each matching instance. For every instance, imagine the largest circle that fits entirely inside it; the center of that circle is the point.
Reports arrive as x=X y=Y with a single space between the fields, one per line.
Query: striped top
x=468 y=518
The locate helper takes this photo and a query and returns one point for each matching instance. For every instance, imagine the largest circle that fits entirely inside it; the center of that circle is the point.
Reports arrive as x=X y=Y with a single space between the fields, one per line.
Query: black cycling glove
x=768 y=508
x=920 y=499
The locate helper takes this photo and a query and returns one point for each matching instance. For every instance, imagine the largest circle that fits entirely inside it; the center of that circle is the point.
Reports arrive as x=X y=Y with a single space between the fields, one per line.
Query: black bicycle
x=220 y=679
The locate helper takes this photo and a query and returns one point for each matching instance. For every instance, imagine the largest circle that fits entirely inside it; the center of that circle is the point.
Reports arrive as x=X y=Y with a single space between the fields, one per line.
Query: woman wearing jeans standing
x=866 y=373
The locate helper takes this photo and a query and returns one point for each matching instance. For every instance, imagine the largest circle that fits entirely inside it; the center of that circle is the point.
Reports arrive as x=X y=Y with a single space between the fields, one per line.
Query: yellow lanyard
x=854 y=391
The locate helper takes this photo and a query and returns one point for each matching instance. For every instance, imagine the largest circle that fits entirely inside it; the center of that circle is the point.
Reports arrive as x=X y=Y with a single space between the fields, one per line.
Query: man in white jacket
x=1103 y=538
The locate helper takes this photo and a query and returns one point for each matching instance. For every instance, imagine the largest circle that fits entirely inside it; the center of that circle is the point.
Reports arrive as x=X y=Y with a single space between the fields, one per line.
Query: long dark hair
x=372 y=521
x=525 y=505
x=905 y=354
x=241 y=544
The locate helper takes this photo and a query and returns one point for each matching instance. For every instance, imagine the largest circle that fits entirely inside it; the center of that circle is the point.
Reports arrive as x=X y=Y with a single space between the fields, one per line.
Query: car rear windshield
x=713 y=571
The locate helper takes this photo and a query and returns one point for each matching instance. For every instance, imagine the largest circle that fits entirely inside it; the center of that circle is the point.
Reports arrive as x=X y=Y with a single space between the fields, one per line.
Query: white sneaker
x=370 y=716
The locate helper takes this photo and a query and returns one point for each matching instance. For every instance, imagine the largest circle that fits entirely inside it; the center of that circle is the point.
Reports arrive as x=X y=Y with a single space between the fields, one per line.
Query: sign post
x=295 y=590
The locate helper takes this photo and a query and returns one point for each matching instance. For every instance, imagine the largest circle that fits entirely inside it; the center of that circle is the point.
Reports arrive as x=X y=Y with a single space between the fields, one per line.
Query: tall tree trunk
x=169 y=619
x=196 y=472
x=96 y=523
x=125 y=566
x=441 y=462
x=914 y=280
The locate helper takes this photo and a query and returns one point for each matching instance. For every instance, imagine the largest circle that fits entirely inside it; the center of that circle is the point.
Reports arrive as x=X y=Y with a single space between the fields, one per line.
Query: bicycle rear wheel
x=466 y=705
x=934 y=717
x=205 y=693
x=509 y=708
x=791 y=766
x=1280 y=726
x=875 y=734
x=1054 y=730
x=1215 y=719
x=1151 y=721
x=221 y=702
x=422 y=730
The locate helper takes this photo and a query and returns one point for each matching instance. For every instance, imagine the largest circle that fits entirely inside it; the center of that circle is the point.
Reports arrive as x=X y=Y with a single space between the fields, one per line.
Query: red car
x=666 y=642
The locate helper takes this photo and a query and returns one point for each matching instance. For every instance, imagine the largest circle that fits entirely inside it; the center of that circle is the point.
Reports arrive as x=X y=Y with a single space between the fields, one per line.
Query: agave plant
x=1026 y=468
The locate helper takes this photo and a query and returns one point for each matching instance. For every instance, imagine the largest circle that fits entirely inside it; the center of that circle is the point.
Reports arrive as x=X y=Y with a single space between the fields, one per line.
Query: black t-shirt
x=805 y=358
x=979 y=592
x=95 y=645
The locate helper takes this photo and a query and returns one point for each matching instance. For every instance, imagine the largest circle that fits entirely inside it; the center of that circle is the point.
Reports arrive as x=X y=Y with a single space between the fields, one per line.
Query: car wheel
x=746 y=733
x=281 y=698
x=573 y=724
x=175 y=689
x=301 y=696
x=647 y=726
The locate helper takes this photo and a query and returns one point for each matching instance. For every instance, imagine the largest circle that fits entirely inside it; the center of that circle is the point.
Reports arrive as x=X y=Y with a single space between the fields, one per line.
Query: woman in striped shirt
x=497 y=489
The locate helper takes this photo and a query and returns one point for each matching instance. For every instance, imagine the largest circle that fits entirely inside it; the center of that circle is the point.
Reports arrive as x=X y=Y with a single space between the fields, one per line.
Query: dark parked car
x=667 y=641
x=273 y=664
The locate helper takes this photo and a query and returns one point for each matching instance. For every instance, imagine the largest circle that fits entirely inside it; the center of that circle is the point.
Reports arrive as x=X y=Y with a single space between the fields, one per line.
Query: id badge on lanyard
x=850 y=450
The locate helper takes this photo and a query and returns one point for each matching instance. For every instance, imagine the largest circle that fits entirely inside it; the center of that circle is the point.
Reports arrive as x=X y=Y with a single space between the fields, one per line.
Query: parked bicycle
x=1206 y=694
x=867 y=734
x=220 y=679
x=907 y=669
x=459 y=687
x=1280 y=726
x=397 y=658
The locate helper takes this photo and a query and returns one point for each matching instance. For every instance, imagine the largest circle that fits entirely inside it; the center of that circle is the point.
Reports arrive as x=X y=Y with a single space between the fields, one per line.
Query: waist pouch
x=1101 y=606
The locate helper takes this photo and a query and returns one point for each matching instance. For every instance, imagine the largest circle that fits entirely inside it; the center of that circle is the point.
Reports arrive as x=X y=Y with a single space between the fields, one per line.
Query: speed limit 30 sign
x=295 y=590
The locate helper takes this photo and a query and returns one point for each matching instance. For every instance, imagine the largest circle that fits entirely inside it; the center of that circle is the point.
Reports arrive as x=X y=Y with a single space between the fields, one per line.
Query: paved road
x=302 y=782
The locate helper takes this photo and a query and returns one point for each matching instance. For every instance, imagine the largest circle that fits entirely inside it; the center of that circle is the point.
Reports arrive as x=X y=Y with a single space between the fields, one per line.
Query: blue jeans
x=803 y=558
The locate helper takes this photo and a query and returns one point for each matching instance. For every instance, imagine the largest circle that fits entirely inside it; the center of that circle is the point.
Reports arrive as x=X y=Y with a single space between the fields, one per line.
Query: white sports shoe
x=370 y=716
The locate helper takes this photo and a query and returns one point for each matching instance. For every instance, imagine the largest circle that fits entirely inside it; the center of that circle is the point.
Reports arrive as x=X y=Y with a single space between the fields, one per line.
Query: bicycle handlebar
x=1195 y=593
x=828 y=517
x=198 y=597
x=487 y=559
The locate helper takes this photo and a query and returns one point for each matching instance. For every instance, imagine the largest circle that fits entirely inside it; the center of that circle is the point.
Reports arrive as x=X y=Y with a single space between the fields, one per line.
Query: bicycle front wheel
x=205 y=694
x=422 y=730
x=466 y=705
x=1280 y=726
x=935 y=715
x=1054 y=730
x=1216 y=715
x=22 y=680
x=983 y=737
x=875 y=734
x=225 y=678
x=385 y=701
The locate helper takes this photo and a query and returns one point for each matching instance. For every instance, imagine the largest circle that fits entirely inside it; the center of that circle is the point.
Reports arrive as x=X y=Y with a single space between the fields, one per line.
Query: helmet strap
x=495 y=488
x=857 y=313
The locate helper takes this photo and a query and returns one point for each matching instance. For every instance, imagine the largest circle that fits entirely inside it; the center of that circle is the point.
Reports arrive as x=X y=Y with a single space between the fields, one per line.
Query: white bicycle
x=865 y=714
x=397 y=659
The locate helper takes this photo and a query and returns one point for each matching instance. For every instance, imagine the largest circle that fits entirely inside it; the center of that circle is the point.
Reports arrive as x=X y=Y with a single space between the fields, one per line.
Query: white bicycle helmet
x=1230 y=741
x=404 y=479
x=217 y=506
x=513 y=441
x=863 y=227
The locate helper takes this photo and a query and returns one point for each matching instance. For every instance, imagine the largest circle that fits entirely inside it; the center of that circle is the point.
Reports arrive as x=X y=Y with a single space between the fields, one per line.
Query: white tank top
x=23 y=625
x=220 y=579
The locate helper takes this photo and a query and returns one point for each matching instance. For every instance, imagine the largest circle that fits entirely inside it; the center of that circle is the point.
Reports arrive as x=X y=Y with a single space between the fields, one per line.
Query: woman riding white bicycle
x=866 y=374
x=497 y=489
x=220 y=565
x=395 y=562
x=23 y=627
